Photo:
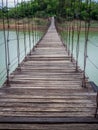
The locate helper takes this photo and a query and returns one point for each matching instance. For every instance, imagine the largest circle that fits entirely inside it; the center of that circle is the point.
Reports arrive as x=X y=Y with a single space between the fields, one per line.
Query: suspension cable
x=73 y=31
x=17 y=34
x=24 y=27
x=7 y=46
x=87 y=27
x=4 y=71
x=93 y=63
x=78 y=34
x=35 y=31
x=69 y=29
x=92 y=43
x=73 y=24
x=69 y=35
x=5 y=43
x=29 y=23
x=18 y=43
x=8 y=26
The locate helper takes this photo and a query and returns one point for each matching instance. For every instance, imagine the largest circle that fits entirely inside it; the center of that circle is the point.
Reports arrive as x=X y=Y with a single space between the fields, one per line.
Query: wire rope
x=29 y=23
x=92 y=43
x=87 y=27
x=73 y=30
x=5 y=43
x=8 y=51
x=24 y=26
x=93 y=63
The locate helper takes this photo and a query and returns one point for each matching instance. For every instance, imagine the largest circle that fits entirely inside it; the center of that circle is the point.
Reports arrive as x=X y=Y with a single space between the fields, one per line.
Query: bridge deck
x=47 y=89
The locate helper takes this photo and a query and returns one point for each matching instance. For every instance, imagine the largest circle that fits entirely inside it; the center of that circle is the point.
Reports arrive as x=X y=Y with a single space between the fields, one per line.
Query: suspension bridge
x=47 y=89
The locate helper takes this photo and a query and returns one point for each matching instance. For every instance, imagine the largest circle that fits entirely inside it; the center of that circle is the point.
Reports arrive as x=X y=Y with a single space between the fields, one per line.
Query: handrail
x=87 y=57
x=84 y=72
x=27 y=48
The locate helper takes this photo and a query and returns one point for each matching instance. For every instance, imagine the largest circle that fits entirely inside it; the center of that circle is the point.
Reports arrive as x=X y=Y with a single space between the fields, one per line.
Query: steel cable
x=87 y=27
x=92 y=43
x=6 y=55
x=93 y=63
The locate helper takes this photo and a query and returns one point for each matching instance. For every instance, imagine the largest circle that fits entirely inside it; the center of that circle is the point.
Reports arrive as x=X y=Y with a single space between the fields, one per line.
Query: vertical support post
x=17 y=35
x=29 y=35
x=78 y=43
x=24 y=28
x=77 y=13
x=6 y=40
x=67 y=37
x=29 y=23
x=33 y=32
x=85 y=54
x=87 y=27
x=69 y=34
x=7 y=46
x=36 y=32
x=73 y=28
x=72 y=42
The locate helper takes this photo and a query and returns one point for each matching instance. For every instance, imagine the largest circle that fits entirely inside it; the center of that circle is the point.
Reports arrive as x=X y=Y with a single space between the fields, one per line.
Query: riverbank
x=25 y=24
x=92 y=47
x=74 y=24
x=22 y=27
x=41 y=24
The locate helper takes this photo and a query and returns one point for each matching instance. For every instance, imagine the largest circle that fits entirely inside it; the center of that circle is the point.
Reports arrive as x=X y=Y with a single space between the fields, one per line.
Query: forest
x=69 y=9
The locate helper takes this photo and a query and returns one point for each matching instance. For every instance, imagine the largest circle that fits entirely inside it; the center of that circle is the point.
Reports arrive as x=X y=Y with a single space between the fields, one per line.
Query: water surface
x=92 y=54
x=13 y=57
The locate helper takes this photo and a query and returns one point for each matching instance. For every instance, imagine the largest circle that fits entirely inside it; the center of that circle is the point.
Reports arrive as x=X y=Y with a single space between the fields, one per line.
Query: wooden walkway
x=47 y=90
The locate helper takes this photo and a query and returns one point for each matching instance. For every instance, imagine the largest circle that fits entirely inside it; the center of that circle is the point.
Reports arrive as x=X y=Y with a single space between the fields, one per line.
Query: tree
x=70 y=9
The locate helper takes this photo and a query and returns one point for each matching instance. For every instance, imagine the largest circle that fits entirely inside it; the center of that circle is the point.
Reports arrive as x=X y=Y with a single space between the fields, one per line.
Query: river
x=92 y=54
x=13 y=50
x=92 y=60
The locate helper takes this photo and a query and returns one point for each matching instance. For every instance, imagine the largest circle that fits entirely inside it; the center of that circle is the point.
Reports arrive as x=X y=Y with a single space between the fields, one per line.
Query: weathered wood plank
x=47 y=89
x=47 y=114
x=54 y=126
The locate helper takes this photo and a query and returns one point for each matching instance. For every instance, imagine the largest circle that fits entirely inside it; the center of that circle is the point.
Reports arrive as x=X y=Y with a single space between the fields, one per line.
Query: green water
x=13 y=50
x=92 y=60
x=92 y=53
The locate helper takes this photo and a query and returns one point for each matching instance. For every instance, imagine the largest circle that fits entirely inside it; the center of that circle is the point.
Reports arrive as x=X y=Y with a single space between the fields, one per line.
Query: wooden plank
x=51 y=120
x=47 y=114
x=55 y=126
x=47 y=89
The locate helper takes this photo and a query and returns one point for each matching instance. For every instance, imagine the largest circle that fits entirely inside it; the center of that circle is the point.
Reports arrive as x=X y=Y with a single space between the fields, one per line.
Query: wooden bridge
x=47 y=91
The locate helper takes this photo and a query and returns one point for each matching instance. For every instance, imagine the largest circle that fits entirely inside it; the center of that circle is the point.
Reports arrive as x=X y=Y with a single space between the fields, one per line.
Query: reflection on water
x=13 y=50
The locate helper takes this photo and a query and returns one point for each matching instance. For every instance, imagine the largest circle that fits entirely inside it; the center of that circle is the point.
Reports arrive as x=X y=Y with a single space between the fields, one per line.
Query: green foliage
x=69 y=9
x=94 y=10
x=0 y=13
